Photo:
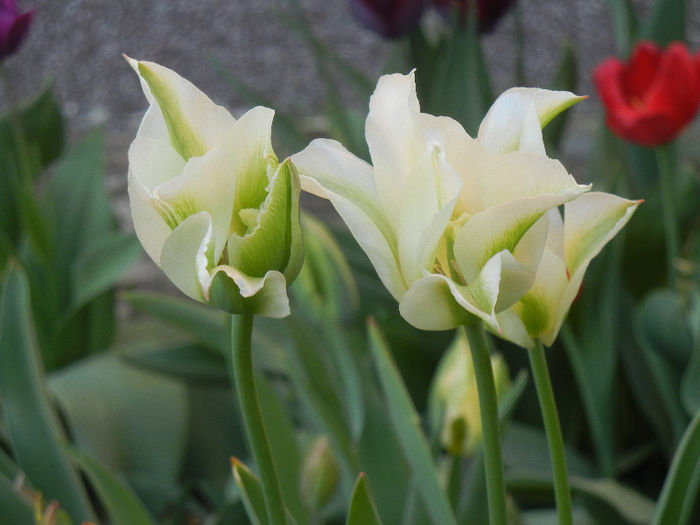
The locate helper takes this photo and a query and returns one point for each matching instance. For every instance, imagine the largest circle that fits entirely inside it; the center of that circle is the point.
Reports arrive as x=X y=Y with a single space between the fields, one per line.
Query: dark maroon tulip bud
x=389 y=18
x=13 y=26
x=488 y=11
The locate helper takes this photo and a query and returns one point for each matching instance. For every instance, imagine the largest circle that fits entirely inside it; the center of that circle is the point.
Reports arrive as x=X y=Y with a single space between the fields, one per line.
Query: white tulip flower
x=451 y=224
x=210 y=203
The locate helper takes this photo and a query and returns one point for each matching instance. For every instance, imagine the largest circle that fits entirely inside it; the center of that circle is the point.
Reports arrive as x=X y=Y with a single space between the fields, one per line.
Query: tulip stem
x=244 y=375
x=545 y=394
x=668 y=202
x=488 y=405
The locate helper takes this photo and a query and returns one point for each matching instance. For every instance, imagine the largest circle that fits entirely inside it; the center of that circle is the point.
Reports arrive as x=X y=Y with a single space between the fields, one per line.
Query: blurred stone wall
x=77 y=45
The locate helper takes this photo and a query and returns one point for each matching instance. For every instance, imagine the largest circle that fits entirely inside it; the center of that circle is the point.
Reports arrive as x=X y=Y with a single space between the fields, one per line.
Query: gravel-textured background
x=77 y=44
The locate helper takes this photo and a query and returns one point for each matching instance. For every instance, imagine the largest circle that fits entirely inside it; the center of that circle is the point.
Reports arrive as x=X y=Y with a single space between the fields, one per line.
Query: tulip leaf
x=463 y=88
x=362 y=510
x=626 y=25
x=123 y=506
x=682 y=486
x=404 y=419
x=565 y=79
x=666 y=22
x=33 y=429
x=14 y=507
x=101 y=264
x=251 y=492
x=102 y=399
x=189 y=362
x=657 y=378
x=285 y=451
x=207 y=325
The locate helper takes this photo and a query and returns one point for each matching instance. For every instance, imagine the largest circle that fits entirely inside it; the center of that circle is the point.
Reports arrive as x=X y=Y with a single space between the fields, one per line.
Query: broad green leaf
x=251 y=491
x=682 y=485
x=80 y=210
x=15 y=508
x=99 y=266
x=189 y=362
x=663 y=323
x=123 y=506
x=666 y=22
x=362 y=510
x=404 y=420
x=207 y=325
x=132 y=421
x=34 y=431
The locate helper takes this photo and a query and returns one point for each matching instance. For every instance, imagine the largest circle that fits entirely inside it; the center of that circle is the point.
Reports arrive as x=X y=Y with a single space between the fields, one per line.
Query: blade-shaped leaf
x=625 y=23
x=34 y=431
x=666 y=22
x=251 y=492
x=14 y=508
x=100 y=264
x=362 y=510
x=205 y=324
x=123 y=506
x=404 y=419
x=682 y=484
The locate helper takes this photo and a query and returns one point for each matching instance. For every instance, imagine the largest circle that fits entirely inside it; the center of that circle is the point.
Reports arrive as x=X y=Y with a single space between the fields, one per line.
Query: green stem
x=241 y=352
x=488 y=404
x=545 y=394
x=668 y=203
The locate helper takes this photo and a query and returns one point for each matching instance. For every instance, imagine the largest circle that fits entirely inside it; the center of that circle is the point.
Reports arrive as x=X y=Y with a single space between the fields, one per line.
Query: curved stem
x=668 y=203
x=545 y=394
x=241 y=352
x=488 y=405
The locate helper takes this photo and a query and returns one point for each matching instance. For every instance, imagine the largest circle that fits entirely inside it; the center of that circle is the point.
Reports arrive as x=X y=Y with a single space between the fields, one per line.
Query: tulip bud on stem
x=244 y=379
x=488 y=404
x=668 y=203
x=545 y=395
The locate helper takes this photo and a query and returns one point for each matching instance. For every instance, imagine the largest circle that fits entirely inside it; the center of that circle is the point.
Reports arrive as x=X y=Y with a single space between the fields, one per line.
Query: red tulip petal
x=641 y=71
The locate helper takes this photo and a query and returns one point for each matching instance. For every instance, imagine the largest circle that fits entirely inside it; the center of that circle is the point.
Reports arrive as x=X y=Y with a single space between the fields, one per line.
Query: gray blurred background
x=77 y=45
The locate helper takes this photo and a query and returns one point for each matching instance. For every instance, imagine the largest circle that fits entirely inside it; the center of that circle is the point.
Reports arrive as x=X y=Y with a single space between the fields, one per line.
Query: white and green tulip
x=452 y=224
x=210 y=202
x=589 y=223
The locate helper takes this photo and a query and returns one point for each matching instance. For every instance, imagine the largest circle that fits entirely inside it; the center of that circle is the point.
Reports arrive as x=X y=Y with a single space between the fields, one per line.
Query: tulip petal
x=590 y=222
x=431 y=304
x=193 y=122
x=269 y=244
x=520 y=174
x=509 y=124
x=512 y=329
x=328 y=170
x=153 y=162
x=424 y=216
x=499 y=228
x=151 y=230
x=184 y=257
x=206 y=183
x=390 y=130
x=252 y=155
x=238 y=293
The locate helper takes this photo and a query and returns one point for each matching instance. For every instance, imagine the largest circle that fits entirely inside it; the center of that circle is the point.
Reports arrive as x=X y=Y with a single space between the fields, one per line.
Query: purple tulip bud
x=488 y=11
x=13 y=26
x=389 y=18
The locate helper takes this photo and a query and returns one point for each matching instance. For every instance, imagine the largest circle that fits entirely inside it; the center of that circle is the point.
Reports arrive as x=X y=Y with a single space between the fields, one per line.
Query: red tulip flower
x=389 y=18
x=653 y=96
x=13 y=26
